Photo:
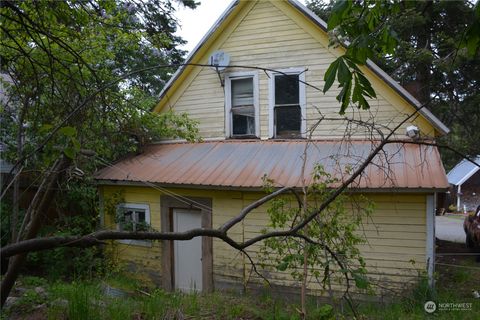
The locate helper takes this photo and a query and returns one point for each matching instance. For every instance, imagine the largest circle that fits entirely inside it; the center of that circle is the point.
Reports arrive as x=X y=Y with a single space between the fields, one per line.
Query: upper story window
x=133 y=217
x=241 y=94
x=287 y=104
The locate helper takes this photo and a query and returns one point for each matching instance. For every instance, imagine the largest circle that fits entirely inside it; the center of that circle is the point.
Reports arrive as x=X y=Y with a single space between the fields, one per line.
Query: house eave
x=159 y=186
x=192 y=54
x=442 y=129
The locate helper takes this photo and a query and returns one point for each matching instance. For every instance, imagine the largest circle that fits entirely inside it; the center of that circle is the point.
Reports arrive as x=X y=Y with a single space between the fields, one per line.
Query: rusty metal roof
x=242 y=164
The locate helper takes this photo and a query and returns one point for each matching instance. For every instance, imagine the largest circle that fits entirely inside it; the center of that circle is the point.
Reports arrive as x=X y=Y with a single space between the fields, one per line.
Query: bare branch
x=229 y=224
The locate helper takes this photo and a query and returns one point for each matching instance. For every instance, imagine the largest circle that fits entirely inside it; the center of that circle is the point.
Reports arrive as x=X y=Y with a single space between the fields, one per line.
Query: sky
x=194 y=24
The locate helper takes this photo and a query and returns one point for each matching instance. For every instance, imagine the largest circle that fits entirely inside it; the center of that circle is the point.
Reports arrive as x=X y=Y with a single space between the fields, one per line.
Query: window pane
x=128 y=216
x=140 y=216
x=242 y=92
x=288 y=122
x=243 y=124
x=286 y=89
x=140 y=223
x=243 y=110
x=126 y=220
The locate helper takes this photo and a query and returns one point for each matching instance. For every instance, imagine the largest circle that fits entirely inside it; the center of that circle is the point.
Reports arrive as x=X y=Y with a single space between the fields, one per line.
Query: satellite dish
x=219 y=59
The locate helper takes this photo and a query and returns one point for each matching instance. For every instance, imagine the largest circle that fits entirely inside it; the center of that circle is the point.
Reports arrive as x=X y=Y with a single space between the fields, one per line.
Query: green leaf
x=366 y=86
x=339 y=10
x=68 y=131
x=325 y=311
x=363 y=103
x=282 y=266
x=344 y=96
x=473 y=37
x=45 y=128
x=70 y=152
x=329 y=77
x=76 y=144
x=344 y=73
x=360 y=280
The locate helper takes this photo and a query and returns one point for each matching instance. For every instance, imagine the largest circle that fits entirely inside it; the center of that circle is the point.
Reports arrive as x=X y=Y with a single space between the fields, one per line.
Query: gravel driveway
x=450 y=228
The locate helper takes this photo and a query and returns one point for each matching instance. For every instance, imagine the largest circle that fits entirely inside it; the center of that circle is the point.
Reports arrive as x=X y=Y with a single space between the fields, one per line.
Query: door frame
x=167 y=204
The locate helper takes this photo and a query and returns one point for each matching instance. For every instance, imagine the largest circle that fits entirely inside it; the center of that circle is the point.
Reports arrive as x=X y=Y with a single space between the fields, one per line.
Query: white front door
x=187 y=254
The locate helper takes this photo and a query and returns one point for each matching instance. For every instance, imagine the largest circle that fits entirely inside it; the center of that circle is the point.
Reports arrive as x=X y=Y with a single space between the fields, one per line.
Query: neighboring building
x=5 y=167
x=254 y=123
x=465 y=179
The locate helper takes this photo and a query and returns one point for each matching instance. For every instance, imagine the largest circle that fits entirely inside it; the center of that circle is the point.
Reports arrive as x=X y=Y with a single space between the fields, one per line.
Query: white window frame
x=228 y=101
x=133 y=206
x=302 y=99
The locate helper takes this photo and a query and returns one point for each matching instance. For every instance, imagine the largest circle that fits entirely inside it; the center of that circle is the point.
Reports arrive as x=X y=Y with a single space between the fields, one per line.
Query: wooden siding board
x=275 y=35
x=400 y=237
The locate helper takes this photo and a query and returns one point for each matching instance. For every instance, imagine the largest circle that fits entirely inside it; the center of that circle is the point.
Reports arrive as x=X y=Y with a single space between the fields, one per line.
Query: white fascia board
x=468 y=175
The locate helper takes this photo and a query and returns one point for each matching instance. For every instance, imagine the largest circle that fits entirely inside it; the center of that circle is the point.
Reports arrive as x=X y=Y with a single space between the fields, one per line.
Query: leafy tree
x=326 y=249
x=81 y=79
x=430 y=47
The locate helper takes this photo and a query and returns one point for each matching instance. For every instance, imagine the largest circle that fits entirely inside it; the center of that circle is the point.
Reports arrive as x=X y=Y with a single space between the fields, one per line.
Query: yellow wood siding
x=142 y=261
x=395 y=251
x=273 y=35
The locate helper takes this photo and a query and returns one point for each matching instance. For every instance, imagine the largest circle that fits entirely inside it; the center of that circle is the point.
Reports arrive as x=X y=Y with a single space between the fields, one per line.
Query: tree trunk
x=304 y=281
x=305 y=258
x=16 y=186
x=32 y=222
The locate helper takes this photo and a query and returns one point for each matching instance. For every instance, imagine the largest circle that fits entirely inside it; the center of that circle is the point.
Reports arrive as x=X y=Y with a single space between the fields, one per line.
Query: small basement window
x=133 y=217
x=242 y=105
x=287 y=104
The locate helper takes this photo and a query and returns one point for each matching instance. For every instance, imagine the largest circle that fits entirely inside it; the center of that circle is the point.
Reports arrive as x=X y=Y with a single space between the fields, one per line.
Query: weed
x=33 y=281
x=83 y=300
x=120 y=309
x=155 y=306
x=461 y=275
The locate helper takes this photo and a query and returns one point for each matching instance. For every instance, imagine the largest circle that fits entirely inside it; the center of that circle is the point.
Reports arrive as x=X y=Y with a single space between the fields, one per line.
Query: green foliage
x=333 y=231
x=324 y=312
x=472 y=35
x=87 y=300
x=29 y=300
x=84 y=76
x=344 y=68
x=83 y=300
x=430 y=47
x=5 y=214
x=69 y=262
x=363 y=26
x=74 y=90
x=33 y=281
x=77 y=208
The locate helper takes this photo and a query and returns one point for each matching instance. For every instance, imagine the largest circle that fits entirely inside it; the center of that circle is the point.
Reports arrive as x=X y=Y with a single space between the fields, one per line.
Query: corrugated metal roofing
x=242 y=164
x=463 y=171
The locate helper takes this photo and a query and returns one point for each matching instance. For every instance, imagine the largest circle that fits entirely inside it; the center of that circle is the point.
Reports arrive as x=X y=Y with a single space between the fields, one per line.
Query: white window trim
x=228 y=100
x=141 y=206
x=302 y=99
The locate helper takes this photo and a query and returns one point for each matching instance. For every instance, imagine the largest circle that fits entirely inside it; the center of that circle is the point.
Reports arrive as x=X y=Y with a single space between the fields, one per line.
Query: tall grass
x=83 y=300
x=88 y=301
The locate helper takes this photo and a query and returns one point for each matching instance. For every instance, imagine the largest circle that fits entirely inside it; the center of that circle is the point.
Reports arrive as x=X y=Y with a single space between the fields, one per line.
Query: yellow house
x=253 y=85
